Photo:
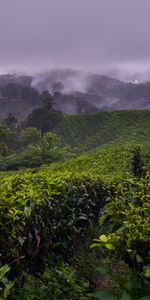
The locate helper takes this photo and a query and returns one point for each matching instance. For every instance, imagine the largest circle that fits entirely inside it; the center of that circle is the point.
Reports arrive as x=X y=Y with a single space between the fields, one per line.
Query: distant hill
x=24 y=80
x=111 y=127
x=103 y=92
x=74 y=92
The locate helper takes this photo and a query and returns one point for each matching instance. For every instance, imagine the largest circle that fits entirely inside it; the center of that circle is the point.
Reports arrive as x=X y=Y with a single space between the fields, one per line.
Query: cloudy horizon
x=103 y=36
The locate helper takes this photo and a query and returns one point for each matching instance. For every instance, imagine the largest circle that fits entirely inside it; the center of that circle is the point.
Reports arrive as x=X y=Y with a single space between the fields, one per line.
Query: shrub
x=125 y=222
x=43 y=218
x=61 y=282
x=5 y=284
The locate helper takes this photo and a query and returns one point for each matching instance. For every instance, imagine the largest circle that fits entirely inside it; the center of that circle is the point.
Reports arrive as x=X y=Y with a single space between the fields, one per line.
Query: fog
x=103 y=36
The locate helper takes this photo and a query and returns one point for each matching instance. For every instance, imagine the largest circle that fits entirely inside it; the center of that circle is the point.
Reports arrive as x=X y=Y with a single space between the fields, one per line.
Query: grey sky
x=82 y=34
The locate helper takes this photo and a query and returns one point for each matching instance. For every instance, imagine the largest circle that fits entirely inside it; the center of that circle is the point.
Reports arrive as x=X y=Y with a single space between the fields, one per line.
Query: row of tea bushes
x=43 y=218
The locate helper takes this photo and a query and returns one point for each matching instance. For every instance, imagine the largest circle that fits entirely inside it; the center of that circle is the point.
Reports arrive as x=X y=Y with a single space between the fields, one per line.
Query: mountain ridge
x=75 y=92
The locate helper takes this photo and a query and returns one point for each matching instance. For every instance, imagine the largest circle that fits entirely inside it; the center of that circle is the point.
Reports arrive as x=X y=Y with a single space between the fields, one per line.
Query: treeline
x=31 y=143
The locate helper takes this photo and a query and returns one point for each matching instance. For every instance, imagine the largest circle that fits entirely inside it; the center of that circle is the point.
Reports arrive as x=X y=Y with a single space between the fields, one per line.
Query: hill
x=74 y=92
x=99 y=163
x=101 y=91
x=91 y=131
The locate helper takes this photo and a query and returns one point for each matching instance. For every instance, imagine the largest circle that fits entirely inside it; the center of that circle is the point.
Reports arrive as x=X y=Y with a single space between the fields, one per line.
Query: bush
x=43 y=218
x=125 y=234
x=61 y=282
x=125 y=223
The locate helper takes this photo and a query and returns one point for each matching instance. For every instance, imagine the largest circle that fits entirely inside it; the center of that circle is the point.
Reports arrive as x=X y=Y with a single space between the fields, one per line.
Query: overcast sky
x=83 y=34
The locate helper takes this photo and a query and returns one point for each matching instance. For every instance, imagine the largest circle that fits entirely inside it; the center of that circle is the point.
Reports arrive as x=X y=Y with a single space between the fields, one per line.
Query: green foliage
x=125 y=232
x=100 y=163
x=47 y=213
x=5 y=284
x=43 y=119
x=80 y=133
x=125 y=222
x=32 y=150
x=117 y=127
x=120 y=282
x=42 y=218
x=59 y=282
x=7 y=140
x=30 y=136
x=31 y=157
x=51 y=140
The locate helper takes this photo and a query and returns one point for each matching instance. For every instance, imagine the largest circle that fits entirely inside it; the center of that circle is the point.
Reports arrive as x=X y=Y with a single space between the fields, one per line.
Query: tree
x=30 y=136
x=51 y=140
x=10 y=120
x=47 y=100
x=43 y=119
x=39 y=118
x=7 y=140
x=31 y=157
x=137 y=162
x=48 y=103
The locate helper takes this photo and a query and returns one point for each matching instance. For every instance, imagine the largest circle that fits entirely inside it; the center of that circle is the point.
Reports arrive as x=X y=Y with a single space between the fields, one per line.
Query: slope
x=91 y=131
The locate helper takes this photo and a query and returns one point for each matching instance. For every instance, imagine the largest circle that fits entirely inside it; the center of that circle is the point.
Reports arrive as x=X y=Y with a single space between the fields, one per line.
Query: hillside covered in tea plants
x=87 y=132
x=47 y=136
x=74 y=215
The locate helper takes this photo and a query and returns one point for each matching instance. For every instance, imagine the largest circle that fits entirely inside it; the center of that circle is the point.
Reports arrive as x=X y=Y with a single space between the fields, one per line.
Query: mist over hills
x=74 y=92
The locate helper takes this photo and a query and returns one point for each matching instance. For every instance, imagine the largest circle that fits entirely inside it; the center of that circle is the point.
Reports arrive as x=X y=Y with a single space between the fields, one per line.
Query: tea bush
x=125 y=235
x=42 y=218
x=125 y=222
x=59 y=282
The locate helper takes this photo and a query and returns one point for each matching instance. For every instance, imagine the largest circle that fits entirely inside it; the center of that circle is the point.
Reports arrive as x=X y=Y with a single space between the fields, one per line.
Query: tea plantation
x=79 y=228
x=89 y=131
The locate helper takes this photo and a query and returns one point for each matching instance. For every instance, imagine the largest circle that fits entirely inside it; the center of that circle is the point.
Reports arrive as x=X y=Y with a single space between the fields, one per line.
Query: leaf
x=139 y=259
x=147 y=272
x=27 y=211
x=21 y=241
x=3 y=270
x=94 y=245
x=103 y=238
x=7 y=289
x=102 y=219
x=119 y=187
x=110 y=246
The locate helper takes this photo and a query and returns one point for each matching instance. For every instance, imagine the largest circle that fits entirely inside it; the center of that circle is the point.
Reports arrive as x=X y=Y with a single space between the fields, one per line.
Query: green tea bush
x=125 y=235
x=5 y=284
x=59 y=282
x=125 y=222
x=42 y=218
